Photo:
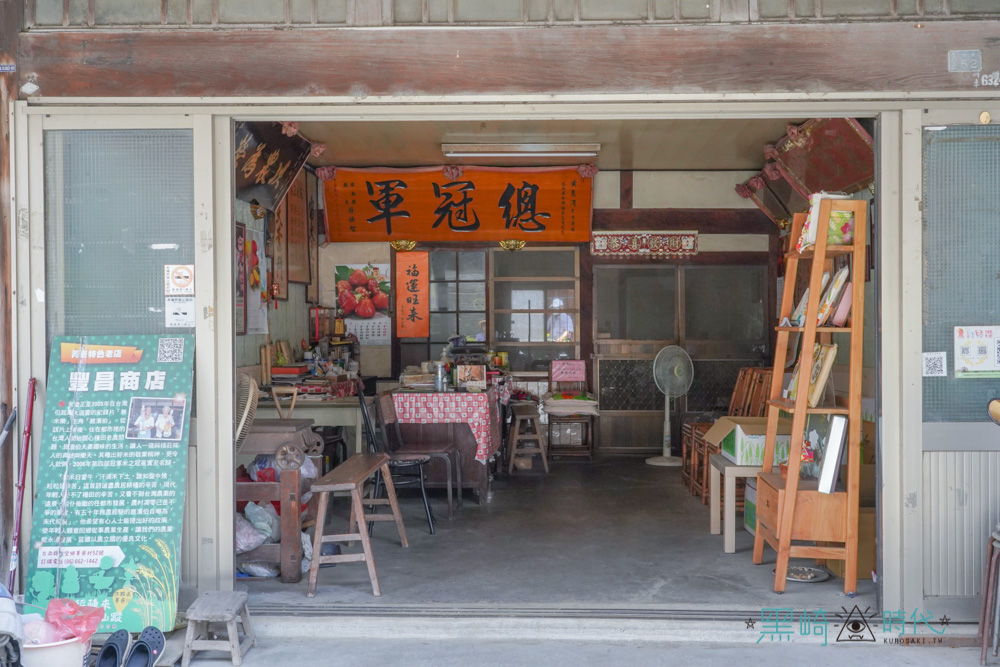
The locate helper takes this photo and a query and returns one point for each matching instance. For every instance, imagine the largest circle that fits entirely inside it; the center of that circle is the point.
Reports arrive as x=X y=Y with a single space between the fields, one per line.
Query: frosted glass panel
x=961 y=256
x=725 y=302
x=119 y=205
x=636 y=304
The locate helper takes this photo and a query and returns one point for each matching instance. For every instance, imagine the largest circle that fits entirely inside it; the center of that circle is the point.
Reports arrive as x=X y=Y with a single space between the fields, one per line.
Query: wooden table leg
x=729 y=508
x=359 y=436
x=713 y=510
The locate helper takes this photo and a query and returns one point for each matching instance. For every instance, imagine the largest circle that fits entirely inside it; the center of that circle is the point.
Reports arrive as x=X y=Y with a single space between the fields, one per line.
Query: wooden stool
x=699 y=465
x=524 y=415
x=351 y=476
x=227 y=607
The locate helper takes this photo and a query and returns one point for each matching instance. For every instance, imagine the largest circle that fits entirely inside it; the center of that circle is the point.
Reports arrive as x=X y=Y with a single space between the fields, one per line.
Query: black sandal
x=147 y=648
x=114 y=650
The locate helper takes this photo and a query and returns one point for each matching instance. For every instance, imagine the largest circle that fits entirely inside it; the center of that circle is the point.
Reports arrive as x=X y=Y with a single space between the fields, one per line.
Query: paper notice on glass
x=178 y=279
x=935 y=364
x=179 y=312
x=977 y=351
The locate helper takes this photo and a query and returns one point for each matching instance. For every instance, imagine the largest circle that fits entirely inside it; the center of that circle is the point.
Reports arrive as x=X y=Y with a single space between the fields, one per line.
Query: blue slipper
x=147 y=648
x=114 y=650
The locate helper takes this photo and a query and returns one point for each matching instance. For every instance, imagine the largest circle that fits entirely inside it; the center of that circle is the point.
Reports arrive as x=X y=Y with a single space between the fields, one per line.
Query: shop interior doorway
x=601 y=532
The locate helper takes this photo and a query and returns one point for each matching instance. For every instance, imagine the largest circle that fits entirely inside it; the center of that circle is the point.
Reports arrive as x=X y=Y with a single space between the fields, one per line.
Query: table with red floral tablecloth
x=478 y=410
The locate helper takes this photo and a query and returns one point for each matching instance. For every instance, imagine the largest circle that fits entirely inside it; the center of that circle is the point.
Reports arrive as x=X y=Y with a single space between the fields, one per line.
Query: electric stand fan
x=673 y=373
x=246 y=407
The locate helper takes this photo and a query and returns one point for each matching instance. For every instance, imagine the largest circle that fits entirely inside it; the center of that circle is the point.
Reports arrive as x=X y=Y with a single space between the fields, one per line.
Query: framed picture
x=267 y=160
x=240 y=286
x=298 y=231
x=279 y=250
x=312 y=207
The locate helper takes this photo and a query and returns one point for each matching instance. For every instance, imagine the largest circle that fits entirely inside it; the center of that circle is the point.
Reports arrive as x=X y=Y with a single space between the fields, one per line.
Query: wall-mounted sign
x=106 y=526
x=459 y=204
x=412 y=295
x=267 y=161
x=644 y=244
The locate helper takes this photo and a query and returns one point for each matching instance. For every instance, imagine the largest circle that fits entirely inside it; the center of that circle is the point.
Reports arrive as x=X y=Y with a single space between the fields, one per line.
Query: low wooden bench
x=351 y=476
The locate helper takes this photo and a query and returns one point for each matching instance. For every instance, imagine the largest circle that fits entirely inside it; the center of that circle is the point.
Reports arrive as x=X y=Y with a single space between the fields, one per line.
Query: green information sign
x=106 y=529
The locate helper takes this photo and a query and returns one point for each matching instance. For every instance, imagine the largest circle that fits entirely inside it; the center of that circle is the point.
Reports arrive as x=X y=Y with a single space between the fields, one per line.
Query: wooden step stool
x=525 y=414
x=227 y=607
x=351 y=476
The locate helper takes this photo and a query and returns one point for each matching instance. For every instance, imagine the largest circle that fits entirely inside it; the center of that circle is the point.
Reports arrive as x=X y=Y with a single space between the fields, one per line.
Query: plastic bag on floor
x=265 y=519
x=307 y=552
x=248 y=537
x=308 y=469
x=264 y=570
x=261 y=462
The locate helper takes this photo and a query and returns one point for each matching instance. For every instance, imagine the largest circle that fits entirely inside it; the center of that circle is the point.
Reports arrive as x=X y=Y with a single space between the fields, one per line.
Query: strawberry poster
x=106 y=525
x=363 y=300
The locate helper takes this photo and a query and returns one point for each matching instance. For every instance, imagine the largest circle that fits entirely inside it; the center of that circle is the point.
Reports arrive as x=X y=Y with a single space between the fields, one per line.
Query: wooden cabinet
x=817 y=516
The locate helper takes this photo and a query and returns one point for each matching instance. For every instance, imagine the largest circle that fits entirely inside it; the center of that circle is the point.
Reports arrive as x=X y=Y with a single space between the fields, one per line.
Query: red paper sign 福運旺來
x=412 y=295
x=460 y=204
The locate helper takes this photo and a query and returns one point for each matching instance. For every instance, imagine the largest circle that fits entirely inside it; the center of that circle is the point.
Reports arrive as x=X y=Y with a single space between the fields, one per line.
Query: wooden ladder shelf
x=792 y=511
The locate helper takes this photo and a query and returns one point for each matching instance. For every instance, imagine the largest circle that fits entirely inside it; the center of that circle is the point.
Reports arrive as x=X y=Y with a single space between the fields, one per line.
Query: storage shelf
x=789 y=406
x=831 y=251
x=818 y=329
x=790 y=514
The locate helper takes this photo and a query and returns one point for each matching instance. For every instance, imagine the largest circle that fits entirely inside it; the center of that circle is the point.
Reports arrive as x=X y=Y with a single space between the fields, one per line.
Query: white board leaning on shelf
x=833 y=454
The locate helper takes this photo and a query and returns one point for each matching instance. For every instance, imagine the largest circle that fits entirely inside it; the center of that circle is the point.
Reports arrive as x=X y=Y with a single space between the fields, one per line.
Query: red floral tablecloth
x=478 y=410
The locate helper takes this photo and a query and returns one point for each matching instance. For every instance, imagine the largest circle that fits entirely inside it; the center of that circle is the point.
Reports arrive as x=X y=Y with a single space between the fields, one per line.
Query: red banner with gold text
x=460 y=204
x=412 y=279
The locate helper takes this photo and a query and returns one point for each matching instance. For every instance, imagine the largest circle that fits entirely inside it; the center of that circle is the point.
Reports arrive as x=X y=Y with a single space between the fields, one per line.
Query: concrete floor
x=387 y=652
x=613 y=537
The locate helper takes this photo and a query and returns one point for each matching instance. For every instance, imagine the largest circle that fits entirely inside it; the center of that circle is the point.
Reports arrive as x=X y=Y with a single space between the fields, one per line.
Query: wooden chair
x=280 y=393
x=444 y=451
x=760 y=385
x=688 y=430
x=406 y=469
x=738 y=403
x=571 y=375
x=351 y=476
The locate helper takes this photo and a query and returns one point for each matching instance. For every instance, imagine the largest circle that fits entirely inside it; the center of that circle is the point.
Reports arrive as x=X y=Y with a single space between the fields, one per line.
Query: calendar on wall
x=374 y=331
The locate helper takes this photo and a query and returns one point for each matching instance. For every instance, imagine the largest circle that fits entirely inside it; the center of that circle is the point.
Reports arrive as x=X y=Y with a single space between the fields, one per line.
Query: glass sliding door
x=119 y=206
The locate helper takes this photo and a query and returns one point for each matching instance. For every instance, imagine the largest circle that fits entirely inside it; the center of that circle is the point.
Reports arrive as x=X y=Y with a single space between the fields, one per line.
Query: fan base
x=665 y=461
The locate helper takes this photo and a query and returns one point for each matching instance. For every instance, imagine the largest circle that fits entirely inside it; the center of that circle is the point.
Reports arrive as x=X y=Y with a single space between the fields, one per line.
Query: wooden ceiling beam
x=613 y=59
